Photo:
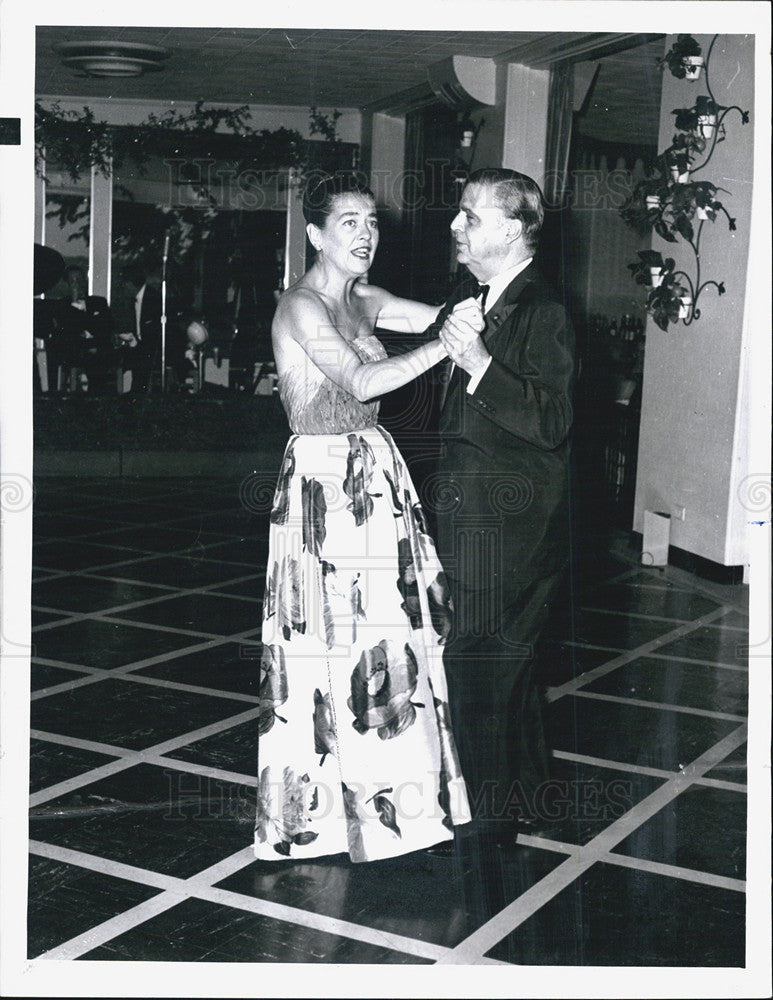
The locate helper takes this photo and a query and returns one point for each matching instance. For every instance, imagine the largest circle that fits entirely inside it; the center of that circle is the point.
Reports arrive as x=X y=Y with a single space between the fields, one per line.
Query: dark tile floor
x=146 y=601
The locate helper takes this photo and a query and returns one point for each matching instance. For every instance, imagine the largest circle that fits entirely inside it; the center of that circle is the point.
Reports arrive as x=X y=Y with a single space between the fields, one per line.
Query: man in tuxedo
x=83 y=328
x=142 y=350
x=501 y=493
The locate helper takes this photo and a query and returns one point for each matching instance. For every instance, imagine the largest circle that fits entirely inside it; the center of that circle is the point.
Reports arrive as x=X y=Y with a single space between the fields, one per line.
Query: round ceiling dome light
x=111 y=58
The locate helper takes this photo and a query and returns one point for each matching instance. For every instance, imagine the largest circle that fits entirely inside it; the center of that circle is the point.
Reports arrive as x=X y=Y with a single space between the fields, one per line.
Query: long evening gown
x=355 y=747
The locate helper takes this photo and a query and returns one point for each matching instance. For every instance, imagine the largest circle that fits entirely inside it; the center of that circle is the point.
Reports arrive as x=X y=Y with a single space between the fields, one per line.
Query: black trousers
x=99 y=366
x=495 y=696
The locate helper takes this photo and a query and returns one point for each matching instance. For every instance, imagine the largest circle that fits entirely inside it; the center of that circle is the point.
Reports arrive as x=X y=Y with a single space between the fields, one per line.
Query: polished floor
x=146 y=624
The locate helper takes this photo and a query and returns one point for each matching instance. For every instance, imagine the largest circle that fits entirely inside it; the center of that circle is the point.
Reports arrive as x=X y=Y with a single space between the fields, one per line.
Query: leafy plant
x=690 y=119
x=695 y=199
x=324 y=125
x=686 y=119
x=641 y=270
x=77 y=142
x=676 y=57
x=666 y=301
x=637 y=212
x=684 y=200
x=686 y=145
x=70 y=210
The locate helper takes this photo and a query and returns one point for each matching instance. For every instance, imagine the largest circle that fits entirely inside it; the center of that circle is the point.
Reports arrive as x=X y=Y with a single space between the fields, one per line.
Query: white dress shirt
x=138 y=312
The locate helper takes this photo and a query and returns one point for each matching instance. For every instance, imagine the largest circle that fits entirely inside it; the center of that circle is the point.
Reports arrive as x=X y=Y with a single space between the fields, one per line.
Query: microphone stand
x=163 y=313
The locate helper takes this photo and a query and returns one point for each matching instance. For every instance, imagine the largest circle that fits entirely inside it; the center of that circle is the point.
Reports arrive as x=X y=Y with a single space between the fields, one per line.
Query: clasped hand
x=460 y=335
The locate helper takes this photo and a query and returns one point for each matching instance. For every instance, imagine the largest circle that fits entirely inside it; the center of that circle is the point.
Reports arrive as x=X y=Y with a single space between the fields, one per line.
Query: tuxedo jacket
x=95 y=318
x=503 y=471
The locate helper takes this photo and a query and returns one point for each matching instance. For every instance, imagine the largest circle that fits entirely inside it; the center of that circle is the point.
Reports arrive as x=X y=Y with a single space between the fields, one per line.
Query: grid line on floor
x=653 y=772
x=149 y=661
x=570 y=687
x=473 y=947
x=660 y=706
x=487 y=936
x=200 y=886
x=134 y=605
x=133 y=757
x=641 y=864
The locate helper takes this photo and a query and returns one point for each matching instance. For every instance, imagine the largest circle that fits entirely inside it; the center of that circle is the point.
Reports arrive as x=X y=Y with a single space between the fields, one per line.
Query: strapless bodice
x=315 y=405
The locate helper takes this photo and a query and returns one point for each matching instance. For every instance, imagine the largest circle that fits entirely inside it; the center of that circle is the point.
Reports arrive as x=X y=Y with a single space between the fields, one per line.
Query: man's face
x=483 y=234
x=77 y=284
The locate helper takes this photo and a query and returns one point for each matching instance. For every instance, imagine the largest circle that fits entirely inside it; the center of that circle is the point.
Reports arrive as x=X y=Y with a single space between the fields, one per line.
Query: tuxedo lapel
x=507 y=302
x=450 y=375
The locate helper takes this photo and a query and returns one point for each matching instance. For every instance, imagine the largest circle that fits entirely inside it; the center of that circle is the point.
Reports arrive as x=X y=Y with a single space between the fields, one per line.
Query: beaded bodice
x=315 y=405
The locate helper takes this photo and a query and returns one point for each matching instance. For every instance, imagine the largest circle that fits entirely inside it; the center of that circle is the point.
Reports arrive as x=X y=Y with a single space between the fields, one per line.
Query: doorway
x=614 y=137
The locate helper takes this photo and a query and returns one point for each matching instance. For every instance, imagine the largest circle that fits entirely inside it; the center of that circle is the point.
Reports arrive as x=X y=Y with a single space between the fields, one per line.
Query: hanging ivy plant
x=675 y=205
x=324 y=125
x=668 y=297
x=78 y=142
x=643 y=210
x=676 y=59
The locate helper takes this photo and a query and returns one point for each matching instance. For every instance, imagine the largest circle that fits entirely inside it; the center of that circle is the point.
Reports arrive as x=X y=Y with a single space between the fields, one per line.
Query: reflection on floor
x=146 y=598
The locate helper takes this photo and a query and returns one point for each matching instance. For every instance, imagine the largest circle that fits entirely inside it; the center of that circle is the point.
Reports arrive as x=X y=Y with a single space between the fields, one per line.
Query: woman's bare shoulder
x=299 y=301
x=370 y=293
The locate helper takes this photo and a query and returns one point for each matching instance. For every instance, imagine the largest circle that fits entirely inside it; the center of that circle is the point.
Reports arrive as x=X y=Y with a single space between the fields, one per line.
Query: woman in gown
x=355 y=747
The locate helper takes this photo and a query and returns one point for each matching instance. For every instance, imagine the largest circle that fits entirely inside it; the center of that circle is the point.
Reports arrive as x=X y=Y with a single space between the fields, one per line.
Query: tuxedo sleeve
x=467 y=287
x=527 y=391
x=100 y=319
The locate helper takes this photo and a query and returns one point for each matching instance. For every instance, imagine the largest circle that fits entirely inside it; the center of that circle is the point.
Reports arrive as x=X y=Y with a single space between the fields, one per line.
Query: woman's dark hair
x=322 y=190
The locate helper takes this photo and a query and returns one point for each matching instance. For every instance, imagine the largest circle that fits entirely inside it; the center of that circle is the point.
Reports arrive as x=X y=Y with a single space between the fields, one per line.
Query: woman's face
x=349 y=238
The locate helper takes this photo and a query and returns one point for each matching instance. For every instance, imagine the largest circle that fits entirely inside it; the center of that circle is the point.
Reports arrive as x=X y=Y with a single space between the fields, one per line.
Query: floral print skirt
x=355 y=748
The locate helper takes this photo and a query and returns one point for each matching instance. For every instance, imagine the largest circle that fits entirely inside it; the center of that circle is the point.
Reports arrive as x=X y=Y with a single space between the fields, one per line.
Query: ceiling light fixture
x=111 y=58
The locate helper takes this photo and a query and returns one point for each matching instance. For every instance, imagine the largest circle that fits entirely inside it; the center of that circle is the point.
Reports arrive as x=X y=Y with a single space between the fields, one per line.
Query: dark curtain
x=559 y=138
x=414 y=162
x=555 y=249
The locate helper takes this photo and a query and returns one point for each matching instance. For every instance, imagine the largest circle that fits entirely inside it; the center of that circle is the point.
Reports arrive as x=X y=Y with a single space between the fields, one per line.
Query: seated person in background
x=83 y=338
x=44 y=328
x=48 y=270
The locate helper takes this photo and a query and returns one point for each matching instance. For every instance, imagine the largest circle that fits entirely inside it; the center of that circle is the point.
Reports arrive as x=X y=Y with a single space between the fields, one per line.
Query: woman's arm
x=303 y=316
x=399 y=315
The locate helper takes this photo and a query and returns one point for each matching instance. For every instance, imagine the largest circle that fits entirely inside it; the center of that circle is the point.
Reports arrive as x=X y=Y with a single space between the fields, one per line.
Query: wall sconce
x=467 y=140
x=675 y=204
x=467 y=133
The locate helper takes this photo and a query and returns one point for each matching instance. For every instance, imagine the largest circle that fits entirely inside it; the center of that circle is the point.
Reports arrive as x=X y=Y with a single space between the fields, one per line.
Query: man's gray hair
x=518 y=196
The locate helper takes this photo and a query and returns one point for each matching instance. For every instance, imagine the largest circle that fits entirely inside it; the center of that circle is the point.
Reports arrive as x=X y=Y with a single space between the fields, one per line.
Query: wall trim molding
x=707 y=569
